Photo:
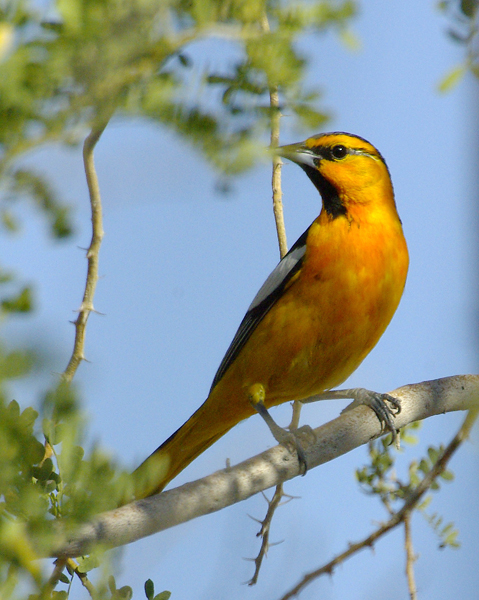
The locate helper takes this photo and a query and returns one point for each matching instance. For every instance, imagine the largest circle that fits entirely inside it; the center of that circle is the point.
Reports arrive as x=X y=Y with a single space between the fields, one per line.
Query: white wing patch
x=278 y=275
x=270 y=292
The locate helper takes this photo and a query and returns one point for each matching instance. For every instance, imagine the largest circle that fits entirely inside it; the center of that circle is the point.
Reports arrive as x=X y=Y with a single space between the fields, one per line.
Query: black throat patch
x=331 y=200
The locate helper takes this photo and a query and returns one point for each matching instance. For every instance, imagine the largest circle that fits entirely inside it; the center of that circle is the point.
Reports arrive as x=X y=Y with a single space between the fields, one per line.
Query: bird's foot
x=385 y=406
x=291 y=439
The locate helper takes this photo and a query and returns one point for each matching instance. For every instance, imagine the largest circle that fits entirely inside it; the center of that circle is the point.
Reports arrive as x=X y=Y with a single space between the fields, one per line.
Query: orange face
x=350 y=165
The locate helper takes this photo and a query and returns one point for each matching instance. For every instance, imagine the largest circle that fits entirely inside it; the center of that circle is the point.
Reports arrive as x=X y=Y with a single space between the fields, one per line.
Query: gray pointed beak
x=299 y=154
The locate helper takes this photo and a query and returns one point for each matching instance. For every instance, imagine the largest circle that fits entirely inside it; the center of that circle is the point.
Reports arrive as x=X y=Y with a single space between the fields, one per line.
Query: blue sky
x=180 y=264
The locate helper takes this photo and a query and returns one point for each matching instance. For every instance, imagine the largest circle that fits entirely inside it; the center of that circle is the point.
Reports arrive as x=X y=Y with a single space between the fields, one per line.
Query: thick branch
x=224 y=488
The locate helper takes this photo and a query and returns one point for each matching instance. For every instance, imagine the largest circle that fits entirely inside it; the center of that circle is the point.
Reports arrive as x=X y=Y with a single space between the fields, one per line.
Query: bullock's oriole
x=318 y=314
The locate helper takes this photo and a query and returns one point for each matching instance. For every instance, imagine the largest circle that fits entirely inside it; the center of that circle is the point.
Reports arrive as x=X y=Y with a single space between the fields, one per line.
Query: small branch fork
x=265 y=529
x=72 y=567
x=402 y=516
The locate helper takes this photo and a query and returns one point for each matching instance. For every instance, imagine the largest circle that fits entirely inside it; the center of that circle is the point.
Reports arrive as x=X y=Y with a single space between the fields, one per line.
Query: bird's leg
x=384 y=406
x=304 y=430
x=295 y=416
x=257 y=396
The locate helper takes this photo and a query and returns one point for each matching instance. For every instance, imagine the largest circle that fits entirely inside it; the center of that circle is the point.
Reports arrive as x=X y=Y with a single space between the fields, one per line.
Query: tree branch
x=404 y=513
x=410 y=557
x=92 y=253
x=283 y=249
x=229 y=486
x=276 y=176
x=265 y=529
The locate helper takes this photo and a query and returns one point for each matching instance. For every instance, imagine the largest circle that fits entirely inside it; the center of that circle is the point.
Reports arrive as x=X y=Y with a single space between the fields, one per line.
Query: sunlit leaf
x=452 y=79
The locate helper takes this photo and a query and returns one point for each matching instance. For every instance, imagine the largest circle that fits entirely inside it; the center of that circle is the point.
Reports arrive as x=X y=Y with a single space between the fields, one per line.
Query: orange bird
x=319 y=313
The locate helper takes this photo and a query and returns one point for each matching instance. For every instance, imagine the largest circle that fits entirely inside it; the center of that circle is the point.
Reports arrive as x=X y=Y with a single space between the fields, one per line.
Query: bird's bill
x=298 y=153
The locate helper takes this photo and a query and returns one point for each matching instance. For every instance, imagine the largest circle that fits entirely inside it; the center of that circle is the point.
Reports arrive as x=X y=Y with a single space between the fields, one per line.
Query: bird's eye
x=339 y=151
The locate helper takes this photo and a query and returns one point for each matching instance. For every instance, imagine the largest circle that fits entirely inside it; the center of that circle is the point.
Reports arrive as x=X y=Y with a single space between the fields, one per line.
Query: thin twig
x=60 y=565
x=86 y=583
x=278 y=195
x=72 y=568
x=264 y=531
x=92 y=254
x=399 y=516
x=276 y=176
x=410 y=557
x=274 y=142
x=283 y=249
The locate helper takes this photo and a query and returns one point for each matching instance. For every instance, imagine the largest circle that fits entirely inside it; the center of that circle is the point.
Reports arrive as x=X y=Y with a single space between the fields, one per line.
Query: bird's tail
x=201 y=430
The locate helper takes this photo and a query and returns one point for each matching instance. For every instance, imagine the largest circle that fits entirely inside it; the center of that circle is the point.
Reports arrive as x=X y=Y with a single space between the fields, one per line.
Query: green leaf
x=425 y=503
x=452 y=79
x=15 y=364
x=64 y=579
x=44 y=472
x=9 y=221
x=424 y=466
x=469 y=8
x=433 y=454
x=184 y=59
x=51 y=486
x=447 y=475
x=149 y=589
x=21 y=303
x=13 y=410
x=88 y=563
x=111 y=584
x=123 y=593
x=350 y=40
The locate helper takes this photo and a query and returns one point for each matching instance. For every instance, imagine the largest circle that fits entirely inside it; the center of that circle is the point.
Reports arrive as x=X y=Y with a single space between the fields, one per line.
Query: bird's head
x=346 y=169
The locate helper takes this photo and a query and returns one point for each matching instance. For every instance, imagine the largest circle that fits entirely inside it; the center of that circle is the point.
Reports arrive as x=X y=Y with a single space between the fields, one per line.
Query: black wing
x=269 y=293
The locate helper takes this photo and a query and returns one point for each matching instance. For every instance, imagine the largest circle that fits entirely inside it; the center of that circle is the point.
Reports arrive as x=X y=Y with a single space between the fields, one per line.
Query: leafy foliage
x=150 y=592
x=42 y=482
x=464 y=15
x=84 y=59
x=379 y=478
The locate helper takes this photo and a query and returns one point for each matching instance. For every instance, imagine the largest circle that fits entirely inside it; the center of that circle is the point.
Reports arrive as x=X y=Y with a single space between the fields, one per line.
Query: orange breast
x=330 y=317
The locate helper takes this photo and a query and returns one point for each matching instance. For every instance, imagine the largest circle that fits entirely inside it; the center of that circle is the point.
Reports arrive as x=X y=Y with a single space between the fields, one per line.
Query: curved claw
x=379 y=404
x=290 y=438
